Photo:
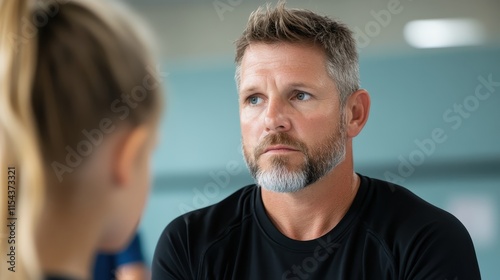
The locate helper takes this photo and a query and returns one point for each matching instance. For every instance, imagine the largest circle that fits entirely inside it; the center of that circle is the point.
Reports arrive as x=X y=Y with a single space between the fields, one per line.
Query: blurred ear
x=129 y=153
x=357 y=111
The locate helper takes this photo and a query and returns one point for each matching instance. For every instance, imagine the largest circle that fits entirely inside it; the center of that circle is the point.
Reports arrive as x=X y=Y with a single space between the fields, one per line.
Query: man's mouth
x=280 y=149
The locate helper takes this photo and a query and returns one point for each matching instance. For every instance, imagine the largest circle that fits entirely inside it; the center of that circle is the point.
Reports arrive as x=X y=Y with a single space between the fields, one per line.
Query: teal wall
x=198 y=161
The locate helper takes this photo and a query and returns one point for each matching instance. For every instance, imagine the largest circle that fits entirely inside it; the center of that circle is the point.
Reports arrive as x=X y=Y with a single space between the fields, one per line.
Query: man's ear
x=127 y=156
x=357 y=111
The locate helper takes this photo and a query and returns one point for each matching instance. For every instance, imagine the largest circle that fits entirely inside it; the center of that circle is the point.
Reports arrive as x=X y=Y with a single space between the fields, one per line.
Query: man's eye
x=254 y=100
x=303 y=96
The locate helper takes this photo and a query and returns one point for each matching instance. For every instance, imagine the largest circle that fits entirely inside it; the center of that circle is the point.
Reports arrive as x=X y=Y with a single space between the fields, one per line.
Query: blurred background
x=432 y=69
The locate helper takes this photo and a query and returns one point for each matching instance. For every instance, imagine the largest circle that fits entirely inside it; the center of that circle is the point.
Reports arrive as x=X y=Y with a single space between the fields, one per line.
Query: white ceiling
x=194 y=29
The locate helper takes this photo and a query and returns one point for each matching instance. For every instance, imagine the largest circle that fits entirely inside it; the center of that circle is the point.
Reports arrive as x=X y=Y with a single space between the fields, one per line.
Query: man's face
x=293 y=131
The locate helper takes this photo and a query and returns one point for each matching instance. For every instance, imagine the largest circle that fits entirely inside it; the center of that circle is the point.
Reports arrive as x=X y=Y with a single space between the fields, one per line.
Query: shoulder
x=54 y=277
x=207 y=224
x=189 y=236
x=400 y=218
x=426 y=241
x=399 y=205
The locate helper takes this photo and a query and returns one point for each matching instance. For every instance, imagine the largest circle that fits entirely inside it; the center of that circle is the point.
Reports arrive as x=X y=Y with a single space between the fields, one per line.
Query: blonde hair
x=66 y=66
x=279 y=24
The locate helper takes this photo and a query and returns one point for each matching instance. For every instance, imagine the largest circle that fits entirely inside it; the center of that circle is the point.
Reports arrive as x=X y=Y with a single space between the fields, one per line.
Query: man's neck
x=315 y=210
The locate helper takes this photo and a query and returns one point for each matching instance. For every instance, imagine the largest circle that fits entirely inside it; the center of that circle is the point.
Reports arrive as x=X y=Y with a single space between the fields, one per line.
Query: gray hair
x=279 y=24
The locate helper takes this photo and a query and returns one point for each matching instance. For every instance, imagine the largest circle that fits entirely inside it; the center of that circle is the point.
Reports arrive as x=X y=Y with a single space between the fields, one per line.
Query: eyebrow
x=252 y=88
x=299 y=84
x=292 y=85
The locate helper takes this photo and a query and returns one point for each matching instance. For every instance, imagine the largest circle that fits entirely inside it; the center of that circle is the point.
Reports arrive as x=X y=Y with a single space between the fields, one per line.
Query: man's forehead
x=292 y=75
x=289 y=64
x=276 y=47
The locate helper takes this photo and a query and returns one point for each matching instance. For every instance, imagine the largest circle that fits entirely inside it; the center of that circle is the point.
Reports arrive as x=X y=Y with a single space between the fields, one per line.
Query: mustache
x=279 y=138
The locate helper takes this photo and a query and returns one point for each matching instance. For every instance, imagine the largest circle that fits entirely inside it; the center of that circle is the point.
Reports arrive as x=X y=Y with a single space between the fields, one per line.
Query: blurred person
x=127 y=264
x=310 y=215
x=79 y=106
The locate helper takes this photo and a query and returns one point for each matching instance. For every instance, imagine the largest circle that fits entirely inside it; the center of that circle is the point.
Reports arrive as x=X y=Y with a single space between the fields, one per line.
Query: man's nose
x=277 y=119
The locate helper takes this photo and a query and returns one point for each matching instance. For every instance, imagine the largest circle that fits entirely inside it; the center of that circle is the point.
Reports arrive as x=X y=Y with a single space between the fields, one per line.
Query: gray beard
x=280 y=179
x=323 y=160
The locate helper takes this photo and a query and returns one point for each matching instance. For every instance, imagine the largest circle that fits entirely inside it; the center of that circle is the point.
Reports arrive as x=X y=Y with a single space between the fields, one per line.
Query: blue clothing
x=107 y=264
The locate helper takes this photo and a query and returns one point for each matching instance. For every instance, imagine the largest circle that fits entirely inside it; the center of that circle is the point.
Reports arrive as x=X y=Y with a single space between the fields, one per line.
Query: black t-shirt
x=387 y=233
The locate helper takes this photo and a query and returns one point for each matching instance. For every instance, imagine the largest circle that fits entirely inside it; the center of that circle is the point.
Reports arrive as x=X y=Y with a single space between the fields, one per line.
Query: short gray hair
x=279 y=24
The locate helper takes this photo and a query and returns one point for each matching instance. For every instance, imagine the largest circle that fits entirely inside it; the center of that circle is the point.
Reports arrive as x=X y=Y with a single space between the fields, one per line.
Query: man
x=310 y=216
